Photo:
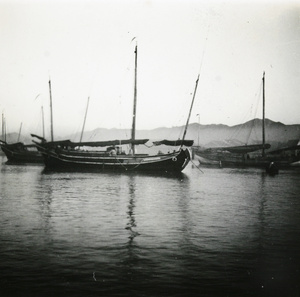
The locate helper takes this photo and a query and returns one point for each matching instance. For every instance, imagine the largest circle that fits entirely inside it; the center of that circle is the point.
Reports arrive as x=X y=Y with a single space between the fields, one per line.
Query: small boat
x=19 y=152
x=247 y=155
x=117 y=155
x=272 y=168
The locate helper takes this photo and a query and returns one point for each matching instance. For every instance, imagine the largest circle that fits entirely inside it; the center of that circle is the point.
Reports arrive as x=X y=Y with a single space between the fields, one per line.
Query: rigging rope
x=236 y=132
x=198 y=167
x=204 y=50
x=255 y=113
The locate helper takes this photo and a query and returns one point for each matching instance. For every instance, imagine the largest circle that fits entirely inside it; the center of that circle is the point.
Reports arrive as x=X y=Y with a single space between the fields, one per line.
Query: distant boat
x=19 y=152
x=68 y=155
x=249 y=155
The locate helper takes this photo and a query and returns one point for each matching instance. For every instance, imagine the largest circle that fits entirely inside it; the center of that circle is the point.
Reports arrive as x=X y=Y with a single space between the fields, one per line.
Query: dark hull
x=22 y=156
x=81 y=161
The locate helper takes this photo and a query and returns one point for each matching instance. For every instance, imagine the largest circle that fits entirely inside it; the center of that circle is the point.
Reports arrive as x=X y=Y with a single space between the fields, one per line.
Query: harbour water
x=219 y=232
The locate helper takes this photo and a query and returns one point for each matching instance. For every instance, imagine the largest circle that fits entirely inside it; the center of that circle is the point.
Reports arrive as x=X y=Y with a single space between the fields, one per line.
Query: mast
x=199 y=129
x=87 y=106
x=263 y=119
x=3 y=128
x=43 y=122
x=19 y=132
x=188 y=119
x=134 y=104
x=51 y=112
x=2 y=134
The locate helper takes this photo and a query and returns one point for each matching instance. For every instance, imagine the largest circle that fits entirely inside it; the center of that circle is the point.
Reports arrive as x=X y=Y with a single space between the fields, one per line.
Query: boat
x=272 y=168
x=255 y=155
x=19 y=152
x=116 y=155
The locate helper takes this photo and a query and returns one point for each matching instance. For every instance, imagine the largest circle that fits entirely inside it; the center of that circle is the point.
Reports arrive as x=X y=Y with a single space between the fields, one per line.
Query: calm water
x=223 y=232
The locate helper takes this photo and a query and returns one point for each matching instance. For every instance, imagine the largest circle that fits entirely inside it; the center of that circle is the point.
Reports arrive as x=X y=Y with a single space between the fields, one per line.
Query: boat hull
x=85 y=160
x=231 y=161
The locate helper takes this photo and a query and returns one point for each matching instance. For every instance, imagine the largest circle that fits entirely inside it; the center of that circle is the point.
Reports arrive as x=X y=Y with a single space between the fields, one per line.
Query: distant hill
x=277 y=134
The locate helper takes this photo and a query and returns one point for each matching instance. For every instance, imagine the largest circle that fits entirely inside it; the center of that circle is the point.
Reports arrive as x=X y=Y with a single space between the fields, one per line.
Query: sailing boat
x=19 y=152
x=248 y=155
x=68 y=155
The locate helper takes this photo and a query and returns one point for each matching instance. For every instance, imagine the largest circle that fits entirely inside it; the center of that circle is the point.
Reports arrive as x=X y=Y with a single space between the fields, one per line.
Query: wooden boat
x=247 y=155
x=68 y=155
x=223 y=158
x=21 y=153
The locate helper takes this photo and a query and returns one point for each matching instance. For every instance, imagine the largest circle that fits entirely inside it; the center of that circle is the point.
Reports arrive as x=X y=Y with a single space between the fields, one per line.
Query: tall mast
x=87 y=106
x=43 y=122
x=188 y=119
x=51 y=112
x=3 y=128
x=134 y=104
x=19 y=132
x=199 y=130
x=263 y=120
x=2 y=134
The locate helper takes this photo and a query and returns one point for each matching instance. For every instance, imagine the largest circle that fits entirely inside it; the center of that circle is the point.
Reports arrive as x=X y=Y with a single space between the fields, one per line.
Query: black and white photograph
x=150 y=148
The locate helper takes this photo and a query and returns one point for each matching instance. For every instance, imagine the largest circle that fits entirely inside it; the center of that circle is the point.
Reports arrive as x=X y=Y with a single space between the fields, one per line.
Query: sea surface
x=209 y=232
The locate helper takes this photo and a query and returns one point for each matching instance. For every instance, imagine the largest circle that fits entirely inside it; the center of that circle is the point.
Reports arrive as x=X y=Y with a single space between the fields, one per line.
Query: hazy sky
x=86 y=48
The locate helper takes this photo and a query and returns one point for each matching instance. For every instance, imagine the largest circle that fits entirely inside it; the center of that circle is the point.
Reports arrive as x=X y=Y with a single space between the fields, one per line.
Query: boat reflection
x=131 y=224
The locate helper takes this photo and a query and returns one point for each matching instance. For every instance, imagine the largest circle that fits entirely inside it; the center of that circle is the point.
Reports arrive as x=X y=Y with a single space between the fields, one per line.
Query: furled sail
x=174 y=142
x=70 y=144
x=242 y=149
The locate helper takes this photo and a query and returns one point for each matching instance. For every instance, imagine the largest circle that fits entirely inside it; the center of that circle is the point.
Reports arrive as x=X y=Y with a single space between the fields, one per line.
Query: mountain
x=277 y=134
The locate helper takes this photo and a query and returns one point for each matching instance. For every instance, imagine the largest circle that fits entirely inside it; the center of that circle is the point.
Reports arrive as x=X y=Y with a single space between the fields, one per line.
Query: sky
x=86 y=48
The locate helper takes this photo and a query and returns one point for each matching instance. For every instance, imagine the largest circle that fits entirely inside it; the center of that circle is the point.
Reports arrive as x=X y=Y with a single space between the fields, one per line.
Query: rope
x=121 y=163
x=204 y=49
x=196 y=166
x=126 y=167
x=138 y=164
